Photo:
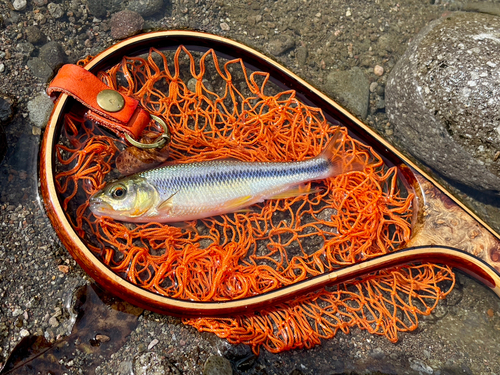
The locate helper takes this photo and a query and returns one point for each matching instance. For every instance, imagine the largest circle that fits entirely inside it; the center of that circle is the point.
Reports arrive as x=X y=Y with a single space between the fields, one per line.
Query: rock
x=6 y=108
x=53 y=54
x=217 y=365
x=40 y=69
x=148 y=364
x=281 y=44
x=19 y=5
x=26 y=49
x=443 y=98
x=301 y=55
x=352 y=89
x=2 y=67
x=55 y=10
x=126 y=23
x=34 y=35
x=98 y=8
x=39 y=110
x=145 y=7
x=378 y=70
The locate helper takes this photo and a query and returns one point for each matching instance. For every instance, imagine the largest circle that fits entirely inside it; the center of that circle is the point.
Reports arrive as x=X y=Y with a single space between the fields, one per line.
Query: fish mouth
x=97 y=206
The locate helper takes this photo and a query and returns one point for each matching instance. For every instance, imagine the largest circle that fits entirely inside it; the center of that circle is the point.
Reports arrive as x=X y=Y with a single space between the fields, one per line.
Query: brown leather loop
x=84 y=87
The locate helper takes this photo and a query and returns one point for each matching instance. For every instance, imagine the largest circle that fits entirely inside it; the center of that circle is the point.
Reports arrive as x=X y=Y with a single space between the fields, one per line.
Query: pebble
x=145 y=7
x=34 y=35
x=301 y=55
x=19 y=4
x=378 y=70
x=149 y=364
x=39 y=110
x=281 y=44
x=40 y=69
x=54 y=322
x=53 y=54
x=152 y=344
x=39 y=3
x=126 y=23
x=224 y=26
x=2 y=67
x=6 y=108
x=25 y=48
x=55 y=10
x=217 y=365
x=373 y=86
x=24 y=333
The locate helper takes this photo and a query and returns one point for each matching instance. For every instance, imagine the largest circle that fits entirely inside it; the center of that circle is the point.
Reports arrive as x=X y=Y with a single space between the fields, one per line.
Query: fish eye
x=118 y=192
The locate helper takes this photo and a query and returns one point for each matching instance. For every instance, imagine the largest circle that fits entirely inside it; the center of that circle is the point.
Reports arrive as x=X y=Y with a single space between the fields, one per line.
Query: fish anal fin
x=239 y=203
x=295 y=191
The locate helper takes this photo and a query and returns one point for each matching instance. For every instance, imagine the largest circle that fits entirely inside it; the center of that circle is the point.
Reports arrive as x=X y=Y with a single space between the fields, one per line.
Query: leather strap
x=84 y=87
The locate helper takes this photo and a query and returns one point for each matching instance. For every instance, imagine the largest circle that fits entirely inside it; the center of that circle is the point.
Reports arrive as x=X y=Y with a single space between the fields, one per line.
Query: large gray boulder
x=443 y=98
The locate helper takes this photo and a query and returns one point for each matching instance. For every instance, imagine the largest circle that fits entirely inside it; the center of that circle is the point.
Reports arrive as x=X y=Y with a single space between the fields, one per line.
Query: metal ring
x=159 y=142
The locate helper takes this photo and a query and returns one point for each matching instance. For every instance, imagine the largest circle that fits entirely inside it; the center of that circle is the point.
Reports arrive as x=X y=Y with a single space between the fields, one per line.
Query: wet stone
x=149 y=364
x=352 y=89
x=126 y=23
x=442 y=97
x=39 y=110
x=55 y=10
x=281 y=44
x=25 y=48
x=19 y=4
x=145 y=7
x=52 y=53
x=34 y=35
x=40 y=69
x=217 y=365
x=6 y=108
x=301 y=55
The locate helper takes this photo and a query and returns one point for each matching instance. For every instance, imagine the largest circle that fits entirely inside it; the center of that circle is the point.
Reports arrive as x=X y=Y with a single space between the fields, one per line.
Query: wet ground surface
x=39 y=279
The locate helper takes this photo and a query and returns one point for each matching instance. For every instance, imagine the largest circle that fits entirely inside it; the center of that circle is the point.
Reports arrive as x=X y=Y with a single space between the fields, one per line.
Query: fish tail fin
x=341 y=159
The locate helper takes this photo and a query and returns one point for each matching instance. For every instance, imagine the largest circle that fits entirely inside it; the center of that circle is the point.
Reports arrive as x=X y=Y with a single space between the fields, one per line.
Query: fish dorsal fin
x=295 y=191
x=166 y=205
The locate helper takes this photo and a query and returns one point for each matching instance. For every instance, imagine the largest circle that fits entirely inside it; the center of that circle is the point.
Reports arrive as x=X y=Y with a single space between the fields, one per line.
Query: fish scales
x=189 y=191
x=198 y=186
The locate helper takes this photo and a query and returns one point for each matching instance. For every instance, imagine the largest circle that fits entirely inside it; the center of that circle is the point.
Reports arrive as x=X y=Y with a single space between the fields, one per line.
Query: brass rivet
x=110 y=100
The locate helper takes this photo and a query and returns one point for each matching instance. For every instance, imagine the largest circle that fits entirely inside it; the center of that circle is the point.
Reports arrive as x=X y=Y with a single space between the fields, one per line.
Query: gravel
x=318 y=40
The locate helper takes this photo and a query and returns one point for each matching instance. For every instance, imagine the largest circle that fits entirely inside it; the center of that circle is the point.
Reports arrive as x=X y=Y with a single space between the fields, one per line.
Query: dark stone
x=351 y=88
x=99 y=8
x=145 y=7
x=443 y=99
x=26 y=49
x=6 y=108
x=40 y=69
x=52 y=53
x=126 y=23
x=217 y=365
x=34 y=35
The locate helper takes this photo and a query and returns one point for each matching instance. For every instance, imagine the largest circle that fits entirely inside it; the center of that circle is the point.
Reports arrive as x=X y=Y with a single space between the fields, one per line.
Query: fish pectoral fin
x=295 y=191
x=139 y=212
x=239 y=203
x=166 y=205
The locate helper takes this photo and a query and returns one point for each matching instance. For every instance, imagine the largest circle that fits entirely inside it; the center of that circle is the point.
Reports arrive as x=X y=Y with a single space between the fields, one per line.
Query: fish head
x=127 y=199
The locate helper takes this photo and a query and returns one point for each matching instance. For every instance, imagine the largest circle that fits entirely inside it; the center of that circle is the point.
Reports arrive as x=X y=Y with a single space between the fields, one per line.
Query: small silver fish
x=180 y=192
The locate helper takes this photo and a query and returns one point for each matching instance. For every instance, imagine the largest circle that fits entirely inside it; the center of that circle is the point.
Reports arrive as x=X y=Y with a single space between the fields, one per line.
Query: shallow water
x=38 y=277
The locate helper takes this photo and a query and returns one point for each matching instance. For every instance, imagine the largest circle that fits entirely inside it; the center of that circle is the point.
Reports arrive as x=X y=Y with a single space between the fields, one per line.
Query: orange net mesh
x=214 y=112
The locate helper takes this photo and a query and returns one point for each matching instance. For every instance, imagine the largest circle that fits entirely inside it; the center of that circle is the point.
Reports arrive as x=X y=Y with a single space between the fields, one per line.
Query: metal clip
x=159 y=142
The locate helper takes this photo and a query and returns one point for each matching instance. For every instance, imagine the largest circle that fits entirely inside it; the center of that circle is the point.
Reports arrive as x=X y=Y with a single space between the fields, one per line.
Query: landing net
x=220 y=110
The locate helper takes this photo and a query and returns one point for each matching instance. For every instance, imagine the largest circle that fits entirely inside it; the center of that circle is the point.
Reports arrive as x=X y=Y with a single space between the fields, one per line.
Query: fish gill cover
x=219 y=111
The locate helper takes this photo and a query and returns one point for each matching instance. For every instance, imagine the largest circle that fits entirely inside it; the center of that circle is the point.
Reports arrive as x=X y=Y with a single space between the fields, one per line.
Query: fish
x=178 y=192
